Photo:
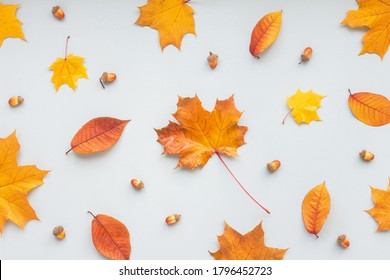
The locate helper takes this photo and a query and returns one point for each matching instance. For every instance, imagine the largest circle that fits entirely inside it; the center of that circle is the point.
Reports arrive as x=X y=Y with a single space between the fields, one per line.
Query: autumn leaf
x=10 y=26
x=265 y=33
x=97 y=135
x=201 y=133
x=315 y=208
x=68 y=70
x=381 y=210
x=304 y=106
x=374 y=14
x=235 y=246
x=370 y=108
x=172 y=18
x=110 y=237
x=15 y=183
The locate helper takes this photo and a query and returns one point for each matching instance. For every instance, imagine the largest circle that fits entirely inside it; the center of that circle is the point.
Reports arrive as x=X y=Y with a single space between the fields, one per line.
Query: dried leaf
x=381 y=210
x=10 y=26
x=172 y=18
x=201 y=133
x=235 y=246
x=370 y=108
x=97 y=135
x=304 y=106
x=15 y=183
x=110 y=237
x=315 y=208
x=374 y=14
x=265 y=32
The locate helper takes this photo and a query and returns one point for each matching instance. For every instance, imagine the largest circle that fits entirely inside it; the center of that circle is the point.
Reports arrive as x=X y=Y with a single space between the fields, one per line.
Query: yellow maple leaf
x=374 y=14
x=250 y=246
x=15 y=183
x=68 y=70
x=10 y=26
x=172 y=18
x=304 y=106
x=381 y=210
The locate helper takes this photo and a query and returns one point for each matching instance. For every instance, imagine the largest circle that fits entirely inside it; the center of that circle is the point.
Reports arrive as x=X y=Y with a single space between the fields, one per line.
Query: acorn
x=15 y=101
x=212 y=60
x=58 y=12
x=59 y=232
x=273 y=166
x=107 y=78
x=366 y=155
x=172 y=219
x=306 y=55
x=138 y=184
x=343 y=241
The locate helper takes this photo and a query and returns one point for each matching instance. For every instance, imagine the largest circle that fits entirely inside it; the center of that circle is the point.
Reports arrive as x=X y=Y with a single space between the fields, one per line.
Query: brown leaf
x=315 y=208
x=110 y=237
x=235 y=246
x=97 y=135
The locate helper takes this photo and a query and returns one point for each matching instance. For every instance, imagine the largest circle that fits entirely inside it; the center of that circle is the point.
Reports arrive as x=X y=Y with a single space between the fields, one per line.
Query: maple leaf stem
x=66 y=47
x=101 y=82
x=242 y=187
x=287 y=115
x=186 y=1
x=68 y=151
x=91 y=214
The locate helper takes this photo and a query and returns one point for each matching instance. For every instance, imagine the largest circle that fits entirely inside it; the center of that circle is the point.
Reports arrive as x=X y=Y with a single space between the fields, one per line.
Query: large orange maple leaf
x=374 y=14
x=381 y=210
x=250 y=246
x=15 y=183
x=201 y=133
x=172 y=18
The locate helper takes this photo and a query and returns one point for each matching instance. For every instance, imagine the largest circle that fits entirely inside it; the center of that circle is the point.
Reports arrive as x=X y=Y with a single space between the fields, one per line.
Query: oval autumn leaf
x=370 y=108
x=265 y=32
x=110 y=237
x=97 y=135
x=315 y=208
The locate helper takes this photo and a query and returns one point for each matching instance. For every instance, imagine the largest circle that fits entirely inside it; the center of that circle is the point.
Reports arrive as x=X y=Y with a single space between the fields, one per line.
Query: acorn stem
x=242 y=187
x=287 y=115
x=66 y=47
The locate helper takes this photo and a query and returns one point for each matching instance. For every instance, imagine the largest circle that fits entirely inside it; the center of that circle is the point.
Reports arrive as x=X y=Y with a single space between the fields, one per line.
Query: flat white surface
x=146 y=91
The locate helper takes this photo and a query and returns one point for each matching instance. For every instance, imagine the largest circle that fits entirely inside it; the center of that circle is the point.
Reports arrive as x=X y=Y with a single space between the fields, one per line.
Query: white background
x=146 y=91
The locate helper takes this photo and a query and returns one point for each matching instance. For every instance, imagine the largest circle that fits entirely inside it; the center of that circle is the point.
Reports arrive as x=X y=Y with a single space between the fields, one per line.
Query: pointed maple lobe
x=374 y=14
x=381 y=210
x=10 y=26
x=201 y=133
x=15 y=183
x=172 y=18
x=235 y=246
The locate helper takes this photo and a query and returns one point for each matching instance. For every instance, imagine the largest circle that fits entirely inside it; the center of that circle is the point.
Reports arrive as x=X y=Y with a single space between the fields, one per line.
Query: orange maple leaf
x=381 y=210
x=374 y=14
x=235 y=246
x=10 y=26
x=201 y=133
x=172 y=18
x=15 y=183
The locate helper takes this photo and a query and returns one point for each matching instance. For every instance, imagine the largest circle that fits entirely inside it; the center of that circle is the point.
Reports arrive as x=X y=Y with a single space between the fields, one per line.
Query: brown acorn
x=107 y=77
x=58 y=12
x=273 y=165
x=343 y=241
x=366 y=155
x=15 y=101
x=138 y=184
x=212 y=60
x=59 y=232
x=172 y=219
x=306 y=55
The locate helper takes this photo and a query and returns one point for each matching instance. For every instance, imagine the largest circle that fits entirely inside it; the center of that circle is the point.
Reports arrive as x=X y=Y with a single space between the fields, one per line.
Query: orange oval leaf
x=97 y=135
x=315 y=208
x=110 y=237
x=265 y=32
x=370 y=108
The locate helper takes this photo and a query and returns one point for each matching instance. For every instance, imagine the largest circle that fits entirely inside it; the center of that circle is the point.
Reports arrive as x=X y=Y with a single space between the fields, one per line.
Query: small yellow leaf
x=304 y=106
x=315 y=208
x=10 y=26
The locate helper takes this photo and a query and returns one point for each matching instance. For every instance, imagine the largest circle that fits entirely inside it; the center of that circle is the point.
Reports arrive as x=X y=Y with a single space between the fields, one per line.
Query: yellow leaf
x=250 y=246
x=315 y=208
x=381 y=210
x=10 y=26
x=172 y=18
x=15 y=183
x=304 y=106
x=68 y=70
x=374 y=14
x=265 y=32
